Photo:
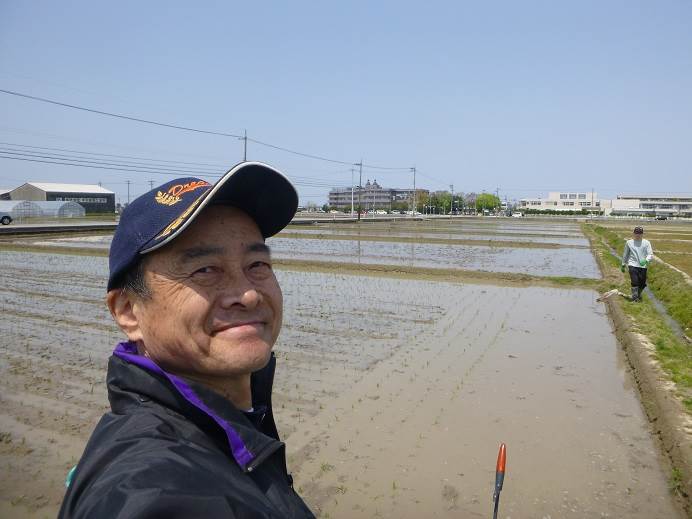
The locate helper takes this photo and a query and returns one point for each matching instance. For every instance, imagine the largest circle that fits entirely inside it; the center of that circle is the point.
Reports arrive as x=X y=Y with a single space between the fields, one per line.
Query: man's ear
x=121 y=304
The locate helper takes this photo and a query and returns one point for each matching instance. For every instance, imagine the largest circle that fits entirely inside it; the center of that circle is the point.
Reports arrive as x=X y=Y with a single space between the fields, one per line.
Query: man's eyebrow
x=258 y=247
x=198 y=252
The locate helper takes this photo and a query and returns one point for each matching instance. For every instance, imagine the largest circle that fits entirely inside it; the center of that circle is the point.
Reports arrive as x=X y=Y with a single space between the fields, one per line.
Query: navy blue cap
x=157 y=217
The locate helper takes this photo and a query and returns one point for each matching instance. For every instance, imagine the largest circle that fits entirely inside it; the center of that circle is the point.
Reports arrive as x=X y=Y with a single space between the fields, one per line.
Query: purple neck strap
x=128 y=352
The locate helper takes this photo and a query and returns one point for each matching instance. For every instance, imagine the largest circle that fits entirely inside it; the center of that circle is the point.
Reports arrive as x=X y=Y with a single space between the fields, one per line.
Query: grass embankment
x=682 y=260
x=668 y=286
x=674 y=355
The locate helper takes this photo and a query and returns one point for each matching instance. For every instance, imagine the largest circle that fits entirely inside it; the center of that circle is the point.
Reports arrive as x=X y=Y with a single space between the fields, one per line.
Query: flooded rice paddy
x=392 y=394
x=535 y=261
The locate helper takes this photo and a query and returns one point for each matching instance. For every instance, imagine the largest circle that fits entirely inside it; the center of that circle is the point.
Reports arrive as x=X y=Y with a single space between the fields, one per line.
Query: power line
x=109 y=154
x=147 y=167
x=123 y=167
x=153 y=165
x=118 y=116
x=243 y=137
x=92 y=166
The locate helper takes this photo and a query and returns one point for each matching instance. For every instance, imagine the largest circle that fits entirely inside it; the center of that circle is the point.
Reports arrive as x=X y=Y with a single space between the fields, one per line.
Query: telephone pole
x=360 y=185
x=352 y=171
x=151 y=185
x=451 y=208
x=413 y=213
x=244 y=139
x=128 y=191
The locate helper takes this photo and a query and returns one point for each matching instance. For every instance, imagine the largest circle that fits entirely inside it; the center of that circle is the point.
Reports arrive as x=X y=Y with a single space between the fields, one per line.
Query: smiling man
x=191 y=431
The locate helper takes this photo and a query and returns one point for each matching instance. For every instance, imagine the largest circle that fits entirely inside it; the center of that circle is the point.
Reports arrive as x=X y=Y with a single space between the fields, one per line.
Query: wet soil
x=538 y=369
x=393 y=393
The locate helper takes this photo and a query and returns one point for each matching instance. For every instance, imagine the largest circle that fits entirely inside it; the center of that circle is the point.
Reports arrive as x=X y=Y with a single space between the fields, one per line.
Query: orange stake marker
x=499 y=476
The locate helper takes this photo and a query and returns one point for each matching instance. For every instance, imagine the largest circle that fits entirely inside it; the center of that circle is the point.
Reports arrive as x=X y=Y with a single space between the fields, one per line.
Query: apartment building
x=564 y=201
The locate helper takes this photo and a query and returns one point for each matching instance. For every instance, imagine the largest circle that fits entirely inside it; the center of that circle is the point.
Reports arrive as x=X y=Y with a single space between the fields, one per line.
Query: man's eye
x=260 y=265
x=204 y=270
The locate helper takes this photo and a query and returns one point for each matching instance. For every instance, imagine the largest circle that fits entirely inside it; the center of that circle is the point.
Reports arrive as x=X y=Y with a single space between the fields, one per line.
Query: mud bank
x=669 y=420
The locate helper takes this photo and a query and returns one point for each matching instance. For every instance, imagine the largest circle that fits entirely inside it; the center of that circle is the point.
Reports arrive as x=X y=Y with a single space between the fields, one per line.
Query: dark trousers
x=638 y=277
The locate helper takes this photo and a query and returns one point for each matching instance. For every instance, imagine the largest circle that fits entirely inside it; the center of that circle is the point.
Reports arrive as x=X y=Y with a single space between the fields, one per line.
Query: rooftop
x=70 y=188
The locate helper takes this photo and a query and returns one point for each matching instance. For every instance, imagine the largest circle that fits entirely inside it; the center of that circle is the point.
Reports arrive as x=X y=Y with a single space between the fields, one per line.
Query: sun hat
x=155 y=218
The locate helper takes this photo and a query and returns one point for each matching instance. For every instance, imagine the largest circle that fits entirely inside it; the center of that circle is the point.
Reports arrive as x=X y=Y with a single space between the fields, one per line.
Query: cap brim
x=263 y=192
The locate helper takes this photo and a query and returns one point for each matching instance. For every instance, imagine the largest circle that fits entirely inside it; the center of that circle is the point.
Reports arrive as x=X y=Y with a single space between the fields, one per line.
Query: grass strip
x=674 y=356
x=681 y=260
x=669 y=286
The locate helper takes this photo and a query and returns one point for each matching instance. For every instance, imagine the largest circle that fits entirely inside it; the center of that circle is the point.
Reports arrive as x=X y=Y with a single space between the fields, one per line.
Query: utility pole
x=151 y=185
x=373 y=198
x=413 y=213
x=244 y=139
x=360 y=185
x=451 y=209
x=352 y=171
x=128 y=191
x=592 y=206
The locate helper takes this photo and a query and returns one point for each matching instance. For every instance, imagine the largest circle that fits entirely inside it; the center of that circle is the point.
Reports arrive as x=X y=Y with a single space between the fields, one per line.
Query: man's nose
x=240 y=291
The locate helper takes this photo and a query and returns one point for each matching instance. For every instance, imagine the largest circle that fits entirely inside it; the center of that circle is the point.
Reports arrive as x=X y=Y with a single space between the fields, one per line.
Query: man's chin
x=244 y=358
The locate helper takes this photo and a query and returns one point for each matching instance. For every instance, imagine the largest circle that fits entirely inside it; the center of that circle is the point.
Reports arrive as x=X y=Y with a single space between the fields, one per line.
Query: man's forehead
x=219 y=230
x=197 y=251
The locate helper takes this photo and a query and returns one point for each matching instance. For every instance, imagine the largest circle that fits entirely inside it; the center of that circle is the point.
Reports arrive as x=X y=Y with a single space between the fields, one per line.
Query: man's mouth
x=239 y=326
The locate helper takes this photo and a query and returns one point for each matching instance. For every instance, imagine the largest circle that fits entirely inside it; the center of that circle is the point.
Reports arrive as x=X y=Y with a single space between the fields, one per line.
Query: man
x=637 y=256
x=191 y=431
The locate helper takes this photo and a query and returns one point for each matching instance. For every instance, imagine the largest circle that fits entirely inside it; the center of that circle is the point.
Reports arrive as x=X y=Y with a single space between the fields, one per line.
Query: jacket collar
x=130 y=372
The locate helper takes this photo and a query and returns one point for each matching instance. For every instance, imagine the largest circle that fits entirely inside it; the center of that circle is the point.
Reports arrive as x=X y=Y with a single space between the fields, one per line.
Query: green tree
x=422 y=199
x=487 y=201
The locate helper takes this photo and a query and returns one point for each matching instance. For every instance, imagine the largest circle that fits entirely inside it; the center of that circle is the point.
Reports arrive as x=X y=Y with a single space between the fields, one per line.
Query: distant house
x=94 y=198
x=5 y=194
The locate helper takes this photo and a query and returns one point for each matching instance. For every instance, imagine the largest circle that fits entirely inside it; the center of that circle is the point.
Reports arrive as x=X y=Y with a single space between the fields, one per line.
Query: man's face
x=637 y=235
x=215 y=308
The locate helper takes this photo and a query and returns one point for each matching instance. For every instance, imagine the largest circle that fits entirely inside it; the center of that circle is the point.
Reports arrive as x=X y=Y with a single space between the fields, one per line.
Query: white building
x=651 y=204
x=93 y=198
x=564 y=201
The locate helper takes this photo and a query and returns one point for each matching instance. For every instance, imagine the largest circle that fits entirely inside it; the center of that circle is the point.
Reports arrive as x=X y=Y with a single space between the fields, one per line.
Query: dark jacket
x=172 y=448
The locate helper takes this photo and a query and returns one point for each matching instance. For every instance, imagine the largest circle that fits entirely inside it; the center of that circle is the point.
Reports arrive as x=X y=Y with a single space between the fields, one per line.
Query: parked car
x=517 y=215
x=5 y=218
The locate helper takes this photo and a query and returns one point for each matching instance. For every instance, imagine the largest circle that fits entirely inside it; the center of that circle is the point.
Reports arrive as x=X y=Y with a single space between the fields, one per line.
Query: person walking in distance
x=637 y=256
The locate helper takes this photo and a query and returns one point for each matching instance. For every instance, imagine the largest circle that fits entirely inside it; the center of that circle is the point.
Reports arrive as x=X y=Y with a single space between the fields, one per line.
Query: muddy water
x=392 y=395
x=542 y=262
x=446 y=234
x=538 y=369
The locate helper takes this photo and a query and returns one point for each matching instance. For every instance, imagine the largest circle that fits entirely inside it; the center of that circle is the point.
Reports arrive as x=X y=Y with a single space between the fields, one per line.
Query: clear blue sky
x=522 y=96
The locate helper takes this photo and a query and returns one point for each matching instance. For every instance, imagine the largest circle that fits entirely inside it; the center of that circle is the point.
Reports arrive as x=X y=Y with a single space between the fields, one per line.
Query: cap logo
x=180 y=219
x=173 y=195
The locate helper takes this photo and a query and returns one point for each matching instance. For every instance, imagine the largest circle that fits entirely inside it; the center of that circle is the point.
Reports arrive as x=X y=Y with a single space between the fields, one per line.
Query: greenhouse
x=20 y=209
